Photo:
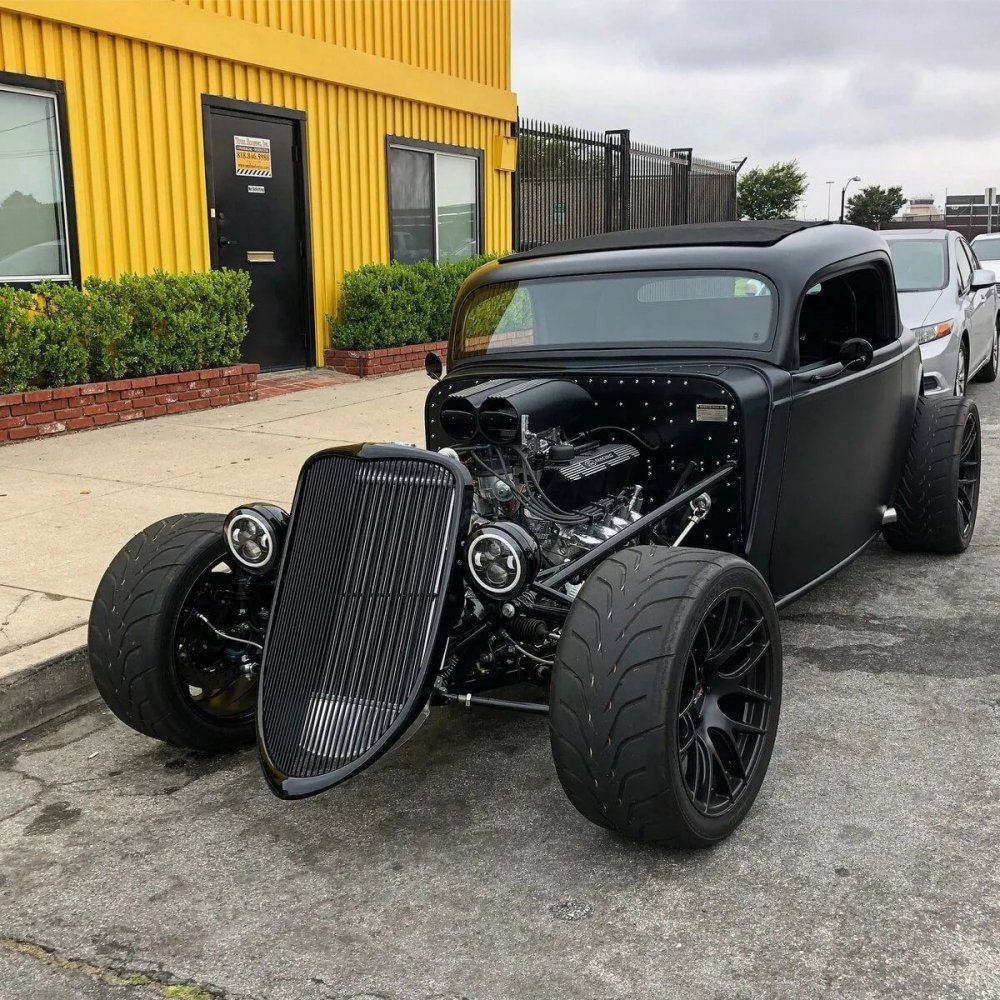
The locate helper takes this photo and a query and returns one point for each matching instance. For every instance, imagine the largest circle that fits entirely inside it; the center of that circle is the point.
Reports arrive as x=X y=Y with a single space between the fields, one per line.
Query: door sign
x=253 y=156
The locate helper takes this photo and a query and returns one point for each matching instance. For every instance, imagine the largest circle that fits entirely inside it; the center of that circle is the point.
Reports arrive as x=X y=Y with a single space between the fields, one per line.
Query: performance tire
x=132 y=634
x=938 y=494
x=626 y=700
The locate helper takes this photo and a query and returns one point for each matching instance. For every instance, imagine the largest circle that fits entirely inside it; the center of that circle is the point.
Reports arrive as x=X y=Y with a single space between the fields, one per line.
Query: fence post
x=624 y=149
x=680 y=180
x=515 y=192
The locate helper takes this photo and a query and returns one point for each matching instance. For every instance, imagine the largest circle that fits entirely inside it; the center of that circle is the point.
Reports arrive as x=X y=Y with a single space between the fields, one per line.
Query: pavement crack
x=161 y=985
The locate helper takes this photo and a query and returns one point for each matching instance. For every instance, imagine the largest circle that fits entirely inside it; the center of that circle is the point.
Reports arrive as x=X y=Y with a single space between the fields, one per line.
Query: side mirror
x=981 y=278
x=433 y=366
x=856 y=354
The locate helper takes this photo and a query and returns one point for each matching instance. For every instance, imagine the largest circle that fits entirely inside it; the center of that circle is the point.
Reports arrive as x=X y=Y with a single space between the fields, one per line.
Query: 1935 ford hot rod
x=646 y=442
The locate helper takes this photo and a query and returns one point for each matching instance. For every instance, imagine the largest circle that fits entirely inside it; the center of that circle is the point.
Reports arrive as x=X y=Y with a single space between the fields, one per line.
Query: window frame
x=55 y=89
x=882 y=267
x=420 y=146
x=963 y=251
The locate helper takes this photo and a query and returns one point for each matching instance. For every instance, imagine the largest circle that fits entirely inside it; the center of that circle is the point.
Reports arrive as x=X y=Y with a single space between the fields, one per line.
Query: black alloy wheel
x=666 y=694
x=175 y=636
x=969 y=458
x=725 y=703
x=223 y=601
x=937 y=497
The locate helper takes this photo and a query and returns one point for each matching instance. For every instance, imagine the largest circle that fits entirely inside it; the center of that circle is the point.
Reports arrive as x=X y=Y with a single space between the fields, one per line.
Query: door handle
x=224 y=241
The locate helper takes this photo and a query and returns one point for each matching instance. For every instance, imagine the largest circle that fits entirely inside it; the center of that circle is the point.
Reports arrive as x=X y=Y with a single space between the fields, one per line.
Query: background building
x=295 y=140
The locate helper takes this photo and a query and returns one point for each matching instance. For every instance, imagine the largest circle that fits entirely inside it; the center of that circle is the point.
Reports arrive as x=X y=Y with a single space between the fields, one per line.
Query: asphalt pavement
x=868 y=868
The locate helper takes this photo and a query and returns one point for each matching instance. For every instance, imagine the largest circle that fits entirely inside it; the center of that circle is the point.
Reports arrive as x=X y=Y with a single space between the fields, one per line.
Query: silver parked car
x=950 y=303
x=986 y=247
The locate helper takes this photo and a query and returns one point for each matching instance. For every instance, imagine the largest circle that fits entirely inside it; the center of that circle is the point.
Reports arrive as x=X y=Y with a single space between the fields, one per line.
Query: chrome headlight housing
x=255 y=535
x=925 y=334
x=501 y=559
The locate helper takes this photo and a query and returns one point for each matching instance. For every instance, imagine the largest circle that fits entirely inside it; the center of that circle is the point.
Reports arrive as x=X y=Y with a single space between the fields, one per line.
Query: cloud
x=898 y=91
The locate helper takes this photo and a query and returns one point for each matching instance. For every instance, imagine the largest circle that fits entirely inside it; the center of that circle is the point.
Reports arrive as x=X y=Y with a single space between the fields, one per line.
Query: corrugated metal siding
x=469 y=39
x=135 y=127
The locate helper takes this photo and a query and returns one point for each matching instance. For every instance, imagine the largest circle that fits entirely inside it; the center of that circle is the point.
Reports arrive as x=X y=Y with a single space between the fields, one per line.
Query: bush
x=390 y=305
x=138 y=325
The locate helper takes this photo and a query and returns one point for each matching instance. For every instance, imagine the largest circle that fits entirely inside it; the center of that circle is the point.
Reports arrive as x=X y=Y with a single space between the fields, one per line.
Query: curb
x=42 y=681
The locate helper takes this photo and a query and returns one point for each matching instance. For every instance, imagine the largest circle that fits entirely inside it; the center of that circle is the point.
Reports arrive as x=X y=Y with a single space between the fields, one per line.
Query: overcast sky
x=897 y=91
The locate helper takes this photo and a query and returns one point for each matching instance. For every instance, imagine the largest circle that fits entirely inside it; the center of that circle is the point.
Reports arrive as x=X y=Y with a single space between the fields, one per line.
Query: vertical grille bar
x=370 y=549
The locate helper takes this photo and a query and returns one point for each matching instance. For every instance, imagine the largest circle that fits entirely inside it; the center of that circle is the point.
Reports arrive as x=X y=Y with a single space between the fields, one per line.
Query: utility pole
x=843 y=192
x=829 y=193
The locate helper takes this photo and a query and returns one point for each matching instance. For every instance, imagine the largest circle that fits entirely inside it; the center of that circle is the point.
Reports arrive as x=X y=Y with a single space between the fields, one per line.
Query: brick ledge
x=383 y=360
x=44 y=412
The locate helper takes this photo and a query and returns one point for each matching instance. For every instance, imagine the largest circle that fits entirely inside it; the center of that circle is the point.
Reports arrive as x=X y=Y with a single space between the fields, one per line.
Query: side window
x=964 y=267
x=839 y=308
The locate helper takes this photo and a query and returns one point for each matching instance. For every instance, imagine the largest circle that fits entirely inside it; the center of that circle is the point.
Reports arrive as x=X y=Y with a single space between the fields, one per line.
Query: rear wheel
x=665 y=694
x=174 y=629
x=938 y=494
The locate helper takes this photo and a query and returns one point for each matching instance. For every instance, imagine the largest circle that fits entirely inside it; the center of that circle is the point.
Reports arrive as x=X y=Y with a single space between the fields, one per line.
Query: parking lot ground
x=868 y=868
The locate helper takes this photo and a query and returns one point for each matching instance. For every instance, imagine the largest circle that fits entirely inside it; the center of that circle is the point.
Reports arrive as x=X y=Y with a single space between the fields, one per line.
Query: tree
x=772 y=192
x=874 y=205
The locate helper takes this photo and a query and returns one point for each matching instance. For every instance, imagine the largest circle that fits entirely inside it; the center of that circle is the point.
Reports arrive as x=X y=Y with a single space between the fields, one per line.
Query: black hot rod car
x=646 y=442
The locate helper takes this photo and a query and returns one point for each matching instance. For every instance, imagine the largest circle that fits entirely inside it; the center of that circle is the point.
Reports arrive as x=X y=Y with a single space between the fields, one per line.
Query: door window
x=964 y=267
x=33 y=222
x=839 y=308
x=434 y=204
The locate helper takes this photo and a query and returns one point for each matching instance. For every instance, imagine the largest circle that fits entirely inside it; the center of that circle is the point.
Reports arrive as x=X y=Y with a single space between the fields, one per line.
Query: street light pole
x=843 y=192
x=829 y=194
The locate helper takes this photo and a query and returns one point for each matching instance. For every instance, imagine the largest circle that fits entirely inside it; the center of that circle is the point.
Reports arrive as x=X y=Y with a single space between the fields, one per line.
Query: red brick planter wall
x=43 y=412
x=383 y=360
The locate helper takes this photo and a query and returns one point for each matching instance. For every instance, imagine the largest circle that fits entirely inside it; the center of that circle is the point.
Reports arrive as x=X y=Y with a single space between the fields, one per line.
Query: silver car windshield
x=987 y=248
x=920 y=265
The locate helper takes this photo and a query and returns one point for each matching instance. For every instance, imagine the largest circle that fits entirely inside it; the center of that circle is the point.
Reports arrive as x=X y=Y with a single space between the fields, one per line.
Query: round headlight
x=502 y=559
x=254 y=536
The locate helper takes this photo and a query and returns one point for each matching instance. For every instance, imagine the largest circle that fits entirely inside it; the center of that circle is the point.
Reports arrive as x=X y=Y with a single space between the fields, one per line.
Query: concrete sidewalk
x=68 y=504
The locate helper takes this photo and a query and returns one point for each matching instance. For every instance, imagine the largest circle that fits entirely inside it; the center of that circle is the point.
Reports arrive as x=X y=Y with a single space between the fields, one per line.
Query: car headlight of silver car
x=925 y=334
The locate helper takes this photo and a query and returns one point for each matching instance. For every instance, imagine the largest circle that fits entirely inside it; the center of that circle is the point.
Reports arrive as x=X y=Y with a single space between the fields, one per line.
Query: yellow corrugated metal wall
x=134 y=115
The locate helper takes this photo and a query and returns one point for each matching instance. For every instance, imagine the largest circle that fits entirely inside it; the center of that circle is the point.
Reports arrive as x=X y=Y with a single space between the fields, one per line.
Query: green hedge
x=138 y=325
x=389 y=305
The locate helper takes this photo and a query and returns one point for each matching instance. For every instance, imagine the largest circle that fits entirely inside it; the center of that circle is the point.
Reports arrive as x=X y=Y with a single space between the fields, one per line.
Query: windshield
x=920 y=265
x=682 y=308
x=987 y=248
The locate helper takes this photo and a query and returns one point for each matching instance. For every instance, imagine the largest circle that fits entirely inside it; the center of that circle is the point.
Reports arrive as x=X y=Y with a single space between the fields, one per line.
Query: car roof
x=917 y=234
x=719 y=234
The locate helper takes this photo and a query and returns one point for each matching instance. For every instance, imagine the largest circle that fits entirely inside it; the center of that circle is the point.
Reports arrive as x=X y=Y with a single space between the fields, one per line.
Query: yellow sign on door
x=253 y=156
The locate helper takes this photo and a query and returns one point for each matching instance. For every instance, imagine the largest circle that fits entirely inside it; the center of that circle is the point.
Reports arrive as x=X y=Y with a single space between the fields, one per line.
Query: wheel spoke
x=749 y=662
x=719 y=766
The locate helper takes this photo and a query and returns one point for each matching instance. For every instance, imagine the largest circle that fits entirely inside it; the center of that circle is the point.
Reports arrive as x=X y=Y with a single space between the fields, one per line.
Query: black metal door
x=257 y=223
x=844 y=436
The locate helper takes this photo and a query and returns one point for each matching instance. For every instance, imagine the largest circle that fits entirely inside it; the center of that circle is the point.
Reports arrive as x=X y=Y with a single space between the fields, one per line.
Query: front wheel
x=174 y=632
x=989 y=371
x=665 y=696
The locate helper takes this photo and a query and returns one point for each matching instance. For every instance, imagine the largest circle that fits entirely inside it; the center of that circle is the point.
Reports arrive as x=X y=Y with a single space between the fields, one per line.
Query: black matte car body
x=612 y=523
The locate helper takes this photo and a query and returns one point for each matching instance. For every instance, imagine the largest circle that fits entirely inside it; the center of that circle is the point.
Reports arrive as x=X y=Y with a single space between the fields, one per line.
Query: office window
x=34 y=239
x=434 y=203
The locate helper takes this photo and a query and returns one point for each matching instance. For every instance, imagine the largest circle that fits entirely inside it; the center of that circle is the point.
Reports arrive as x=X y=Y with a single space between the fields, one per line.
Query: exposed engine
x=569 y=491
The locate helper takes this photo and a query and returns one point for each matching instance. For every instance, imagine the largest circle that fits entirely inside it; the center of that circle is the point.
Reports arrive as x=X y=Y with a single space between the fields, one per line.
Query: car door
x=973 y=305
x=984 y=306
x=847 y=432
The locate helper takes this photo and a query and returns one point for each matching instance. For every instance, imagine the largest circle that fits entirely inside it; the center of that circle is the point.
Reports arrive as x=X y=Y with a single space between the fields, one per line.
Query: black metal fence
x=573 y=182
